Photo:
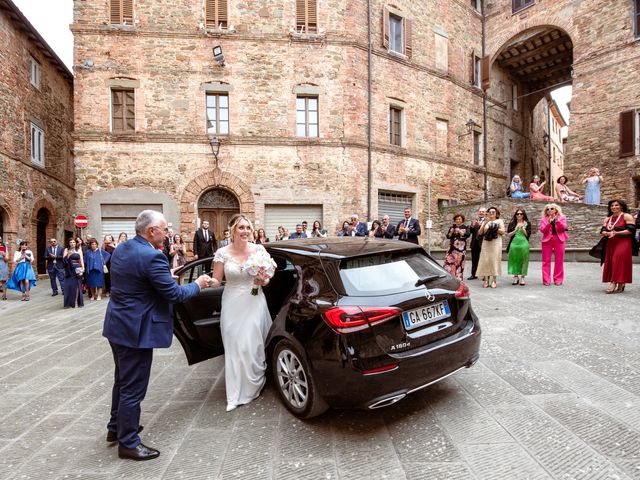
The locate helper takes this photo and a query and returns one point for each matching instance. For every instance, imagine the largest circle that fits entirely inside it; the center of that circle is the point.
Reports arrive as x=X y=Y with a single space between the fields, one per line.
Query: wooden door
x=218 y=219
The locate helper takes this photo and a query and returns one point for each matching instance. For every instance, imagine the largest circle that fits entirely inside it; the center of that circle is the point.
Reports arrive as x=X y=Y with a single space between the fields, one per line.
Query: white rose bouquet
x=259 y=265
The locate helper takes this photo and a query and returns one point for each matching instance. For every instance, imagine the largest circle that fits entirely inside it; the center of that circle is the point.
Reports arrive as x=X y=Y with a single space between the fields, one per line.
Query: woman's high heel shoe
x=516 y=281
x=612 y=288
x=619 y=288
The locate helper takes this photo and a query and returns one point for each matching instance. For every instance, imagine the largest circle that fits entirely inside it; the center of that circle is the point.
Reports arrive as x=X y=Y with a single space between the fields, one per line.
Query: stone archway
x=217 y=206
x=205 y=182
x=43 y=226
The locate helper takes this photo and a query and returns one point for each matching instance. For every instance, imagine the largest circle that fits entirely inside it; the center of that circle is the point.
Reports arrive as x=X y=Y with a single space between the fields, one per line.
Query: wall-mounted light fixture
x=545 y=139
x=471 y=126
x=218 y=56
x=215 y=148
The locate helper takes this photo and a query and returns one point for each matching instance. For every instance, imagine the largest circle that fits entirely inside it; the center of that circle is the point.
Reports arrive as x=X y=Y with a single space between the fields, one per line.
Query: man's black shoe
x=141 y=452
x=472 y=277
x=54 y=294
x=113 y=436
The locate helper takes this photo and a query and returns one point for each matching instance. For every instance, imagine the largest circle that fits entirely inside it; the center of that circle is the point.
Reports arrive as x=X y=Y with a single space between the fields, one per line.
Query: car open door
x=197 y=321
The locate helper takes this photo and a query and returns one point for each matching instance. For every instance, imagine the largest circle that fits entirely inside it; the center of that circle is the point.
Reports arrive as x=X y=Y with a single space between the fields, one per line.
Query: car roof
x=339 y=247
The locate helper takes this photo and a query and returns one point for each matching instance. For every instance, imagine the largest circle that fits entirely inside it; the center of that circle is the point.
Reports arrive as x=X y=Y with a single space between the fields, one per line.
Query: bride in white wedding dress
x=244 y=318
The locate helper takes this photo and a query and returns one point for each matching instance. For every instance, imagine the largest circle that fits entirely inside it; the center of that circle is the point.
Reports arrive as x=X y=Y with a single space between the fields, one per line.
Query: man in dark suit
x=357 y=228
x=204 y=244
x=139 y=318
x=55 y=268
x=476 y=241
x=409 y=228
x=386 y=230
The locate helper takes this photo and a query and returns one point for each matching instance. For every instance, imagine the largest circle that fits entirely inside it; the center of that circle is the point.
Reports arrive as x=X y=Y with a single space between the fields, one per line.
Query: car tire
x=294 y=381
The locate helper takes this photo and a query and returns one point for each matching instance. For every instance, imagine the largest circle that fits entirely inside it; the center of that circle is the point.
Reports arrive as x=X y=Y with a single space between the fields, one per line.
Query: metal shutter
x=121 y=217
x=114 y=226
x=288 y=216
x=393 y=204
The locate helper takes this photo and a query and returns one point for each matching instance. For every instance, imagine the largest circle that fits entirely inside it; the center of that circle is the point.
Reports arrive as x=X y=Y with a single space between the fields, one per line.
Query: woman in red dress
x=619 y=228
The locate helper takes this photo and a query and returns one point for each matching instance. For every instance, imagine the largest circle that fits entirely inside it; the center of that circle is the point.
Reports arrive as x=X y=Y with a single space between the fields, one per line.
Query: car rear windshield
x=386 y=273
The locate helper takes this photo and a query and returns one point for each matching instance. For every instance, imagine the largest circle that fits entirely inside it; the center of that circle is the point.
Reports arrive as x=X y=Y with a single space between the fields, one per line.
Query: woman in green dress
x=518 y=231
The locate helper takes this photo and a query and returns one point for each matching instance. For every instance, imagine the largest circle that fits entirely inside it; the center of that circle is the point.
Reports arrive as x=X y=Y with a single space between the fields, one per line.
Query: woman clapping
x=553 y=226
x=518 y=231
x=490 y=264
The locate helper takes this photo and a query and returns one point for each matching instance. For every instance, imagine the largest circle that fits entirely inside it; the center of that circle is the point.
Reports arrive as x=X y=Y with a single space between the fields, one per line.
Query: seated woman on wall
x=516 y=188
x=535 y=187
x=564 y=193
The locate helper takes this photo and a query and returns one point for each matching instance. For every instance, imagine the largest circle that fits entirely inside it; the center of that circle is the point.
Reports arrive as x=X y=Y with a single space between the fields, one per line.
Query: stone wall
x=25 y=187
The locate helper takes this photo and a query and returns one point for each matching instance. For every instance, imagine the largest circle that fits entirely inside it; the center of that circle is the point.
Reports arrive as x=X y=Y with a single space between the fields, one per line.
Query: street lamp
x=471 y=126
x=215 y=148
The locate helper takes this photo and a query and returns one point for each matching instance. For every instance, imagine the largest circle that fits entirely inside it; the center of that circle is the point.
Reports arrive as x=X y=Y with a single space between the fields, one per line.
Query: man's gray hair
x=147 y=218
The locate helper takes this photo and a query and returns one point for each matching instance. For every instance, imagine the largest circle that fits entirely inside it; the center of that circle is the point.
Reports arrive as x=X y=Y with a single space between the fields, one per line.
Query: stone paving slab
x=556 y=395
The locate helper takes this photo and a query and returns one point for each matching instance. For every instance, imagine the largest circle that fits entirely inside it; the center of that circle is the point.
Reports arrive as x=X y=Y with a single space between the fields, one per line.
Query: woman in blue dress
x=516 y=188
x=4 y=268
x=23 y=278
x=73 y=269
x=593 y=181
x=95 y=260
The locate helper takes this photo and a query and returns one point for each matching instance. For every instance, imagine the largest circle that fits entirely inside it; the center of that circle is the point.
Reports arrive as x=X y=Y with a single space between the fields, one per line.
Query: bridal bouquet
x=259 y=263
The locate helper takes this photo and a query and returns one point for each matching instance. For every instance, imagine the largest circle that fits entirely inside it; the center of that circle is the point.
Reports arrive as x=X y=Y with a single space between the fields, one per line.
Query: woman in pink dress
x=553 y=226
x=535 y=187
x=619 y=228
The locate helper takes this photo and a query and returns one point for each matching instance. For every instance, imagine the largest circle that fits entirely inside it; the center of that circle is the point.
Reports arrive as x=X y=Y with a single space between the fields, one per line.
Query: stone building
x=37 y=194
x=311 y=122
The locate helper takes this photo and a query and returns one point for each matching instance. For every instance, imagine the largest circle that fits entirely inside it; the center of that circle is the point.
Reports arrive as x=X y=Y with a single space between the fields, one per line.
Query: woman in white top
x=23 y=277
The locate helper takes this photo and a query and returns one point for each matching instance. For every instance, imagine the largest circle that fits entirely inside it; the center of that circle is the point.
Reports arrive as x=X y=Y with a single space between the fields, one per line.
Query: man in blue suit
x=409 y=228
x=55 y=266
x=139 y=318
x=356 y=228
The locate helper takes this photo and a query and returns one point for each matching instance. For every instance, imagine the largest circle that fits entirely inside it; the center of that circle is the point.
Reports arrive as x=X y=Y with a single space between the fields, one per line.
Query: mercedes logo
x=430 y=296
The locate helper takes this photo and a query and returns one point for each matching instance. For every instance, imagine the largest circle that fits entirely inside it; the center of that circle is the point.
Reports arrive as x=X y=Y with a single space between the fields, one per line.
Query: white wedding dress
x=244 y=323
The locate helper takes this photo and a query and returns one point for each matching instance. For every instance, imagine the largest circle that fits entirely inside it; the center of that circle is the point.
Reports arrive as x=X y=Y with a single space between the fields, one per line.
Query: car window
x=185 y=277
x=386 y=272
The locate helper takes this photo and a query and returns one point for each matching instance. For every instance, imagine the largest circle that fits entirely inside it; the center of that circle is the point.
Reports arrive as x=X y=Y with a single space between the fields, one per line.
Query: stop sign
x=81 y=221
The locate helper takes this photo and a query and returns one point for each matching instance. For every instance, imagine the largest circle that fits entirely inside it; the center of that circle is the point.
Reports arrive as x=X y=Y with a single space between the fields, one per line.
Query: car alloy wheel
x=295 y=382
x=292 y=379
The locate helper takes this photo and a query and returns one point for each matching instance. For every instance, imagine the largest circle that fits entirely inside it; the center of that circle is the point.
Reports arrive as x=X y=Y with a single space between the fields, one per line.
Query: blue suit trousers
x=133 y=368
x=56 y=272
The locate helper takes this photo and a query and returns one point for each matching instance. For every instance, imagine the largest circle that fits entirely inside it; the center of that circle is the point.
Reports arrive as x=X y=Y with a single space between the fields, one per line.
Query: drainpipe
x=484 y=109
x=369 y=90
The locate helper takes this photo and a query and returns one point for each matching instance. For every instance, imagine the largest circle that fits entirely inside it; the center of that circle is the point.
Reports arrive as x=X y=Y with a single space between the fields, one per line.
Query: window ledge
x=219 y=31
x=398 y=54
x=310 y=37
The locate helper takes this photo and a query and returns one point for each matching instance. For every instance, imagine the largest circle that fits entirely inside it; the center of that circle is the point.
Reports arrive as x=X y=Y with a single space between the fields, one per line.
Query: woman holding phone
x=23 y=277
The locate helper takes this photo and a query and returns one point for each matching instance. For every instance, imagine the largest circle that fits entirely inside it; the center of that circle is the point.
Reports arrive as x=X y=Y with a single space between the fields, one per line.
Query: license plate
x=425 y=315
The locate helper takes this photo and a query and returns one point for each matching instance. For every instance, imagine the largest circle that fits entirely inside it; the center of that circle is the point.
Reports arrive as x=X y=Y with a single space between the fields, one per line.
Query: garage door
x=288 y=216
x=393 y=204
x=117 y=218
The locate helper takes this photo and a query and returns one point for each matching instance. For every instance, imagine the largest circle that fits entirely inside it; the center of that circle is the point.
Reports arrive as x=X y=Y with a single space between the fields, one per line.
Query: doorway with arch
x=217 y=206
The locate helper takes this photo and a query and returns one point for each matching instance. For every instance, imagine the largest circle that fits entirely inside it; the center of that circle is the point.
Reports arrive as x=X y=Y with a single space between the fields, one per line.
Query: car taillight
x=350 y=319
x=462 y=293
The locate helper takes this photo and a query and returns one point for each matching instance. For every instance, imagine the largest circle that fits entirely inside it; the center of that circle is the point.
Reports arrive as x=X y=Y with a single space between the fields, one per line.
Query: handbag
x=599 y=249
x=105 y=269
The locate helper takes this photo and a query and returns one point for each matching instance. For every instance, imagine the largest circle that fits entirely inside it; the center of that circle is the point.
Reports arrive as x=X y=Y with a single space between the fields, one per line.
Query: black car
x=357 y=323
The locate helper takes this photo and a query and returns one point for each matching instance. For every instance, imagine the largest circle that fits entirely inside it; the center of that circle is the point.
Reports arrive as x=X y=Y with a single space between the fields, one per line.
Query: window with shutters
x=306 y=16
x=216 y=13
x=306 y=116
x=518 y=5
x=396 y=32
x=629 y=133
x=476 y=65
x=218 y=113
x=395 y=125
x=37 y=145
x=478 y=158
x=123 y=110
x=636 y=18
x=121 y=12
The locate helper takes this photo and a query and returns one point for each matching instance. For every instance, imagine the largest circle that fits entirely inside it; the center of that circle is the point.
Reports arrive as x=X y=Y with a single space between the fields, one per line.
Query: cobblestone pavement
x=556 y=395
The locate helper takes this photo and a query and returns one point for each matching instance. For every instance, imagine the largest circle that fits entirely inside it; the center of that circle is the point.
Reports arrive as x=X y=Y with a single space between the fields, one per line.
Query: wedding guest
x=490 y=264
x=357 y=228
x=458 y=234
x=408 y=229
x=619 y=228
x=108 y=245
x=55 y=268
x=593 y=181
x=344 y=231
x=177 y=251
x=386 y=230
x=535 y=187
x=317 y=231
x=94 y=260
x=305 y=226
x=564 y=193
x=4 y=268
x=80 y=245
x=519 y=232
x=279 y=236
x=553 y=226
x=375 y=227
x=122 y=238
x=516 y=189
x=476 y=241
x=244 y=341
x=298 y=233
x=262 y=237
x=73 y=270
x=23 y=278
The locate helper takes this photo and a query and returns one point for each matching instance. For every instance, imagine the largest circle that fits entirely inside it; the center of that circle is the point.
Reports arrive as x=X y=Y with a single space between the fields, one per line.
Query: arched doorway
x=217 y=206
x=42 y=221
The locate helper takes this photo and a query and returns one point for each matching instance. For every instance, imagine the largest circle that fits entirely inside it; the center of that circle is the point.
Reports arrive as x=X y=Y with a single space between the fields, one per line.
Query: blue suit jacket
x=140 y=310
